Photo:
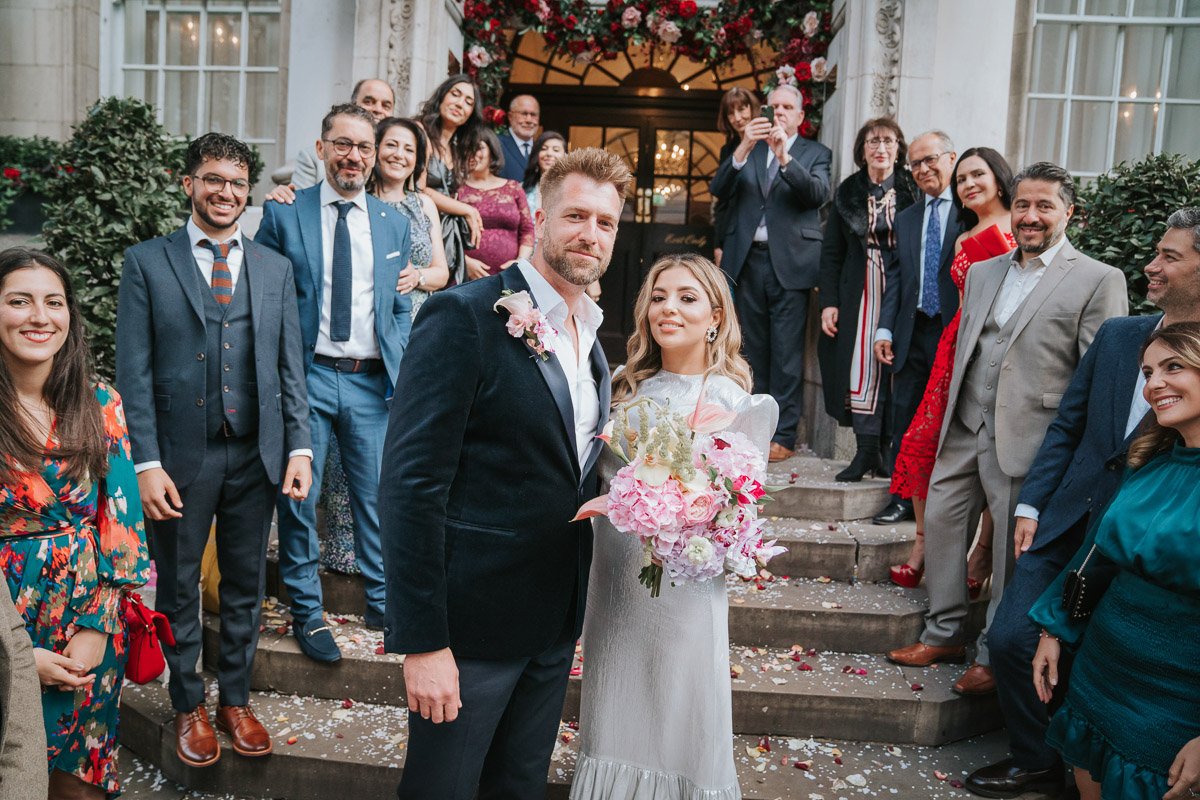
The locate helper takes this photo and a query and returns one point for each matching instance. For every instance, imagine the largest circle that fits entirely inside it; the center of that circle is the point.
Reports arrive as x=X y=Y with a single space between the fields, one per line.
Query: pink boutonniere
x=526 y=322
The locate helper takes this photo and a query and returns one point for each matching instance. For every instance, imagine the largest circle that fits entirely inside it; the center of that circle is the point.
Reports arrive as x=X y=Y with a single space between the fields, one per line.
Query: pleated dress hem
x=599 y=779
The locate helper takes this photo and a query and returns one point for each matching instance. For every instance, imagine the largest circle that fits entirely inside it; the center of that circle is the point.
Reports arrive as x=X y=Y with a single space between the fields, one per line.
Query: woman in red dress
x=981 y=196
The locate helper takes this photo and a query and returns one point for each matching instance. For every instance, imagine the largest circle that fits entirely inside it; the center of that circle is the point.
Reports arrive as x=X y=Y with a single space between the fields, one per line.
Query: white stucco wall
x=320 y=63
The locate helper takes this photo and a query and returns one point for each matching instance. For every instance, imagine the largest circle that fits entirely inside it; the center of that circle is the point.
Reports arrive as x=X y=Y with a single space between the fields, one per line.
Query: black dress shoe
x=895 y=512
x=1006 y=779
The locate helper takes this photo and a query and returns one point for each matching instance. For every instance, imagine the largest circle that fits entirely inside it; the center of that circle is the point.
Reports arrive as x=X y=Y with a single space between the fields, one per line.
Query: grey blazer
x=1054 y=329
x=308 y=170
x=161 y=344
x=23 y=773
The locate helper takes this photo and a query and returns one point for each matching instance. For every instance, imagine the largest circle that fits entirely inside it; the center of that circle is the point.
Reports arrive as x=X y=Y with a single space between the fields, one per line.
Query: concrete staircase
x=806 y=664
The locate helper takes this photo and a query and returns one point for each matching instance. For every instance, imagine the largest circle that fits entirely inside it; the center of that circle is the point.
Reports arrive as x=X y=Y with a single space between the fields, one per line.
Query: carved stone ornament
x=887 y=25
x=399 y=44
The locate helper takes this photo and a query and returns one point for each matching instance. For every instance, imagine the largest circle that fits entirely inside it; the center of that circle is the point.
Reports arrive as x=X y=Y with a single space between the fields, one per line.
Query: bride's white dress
x=656 y=721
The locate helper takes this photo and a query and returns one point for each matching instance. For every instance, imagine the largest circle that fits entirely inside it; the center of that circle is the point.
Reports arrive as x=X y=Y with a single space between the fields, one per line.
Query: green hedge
x=1120 y=216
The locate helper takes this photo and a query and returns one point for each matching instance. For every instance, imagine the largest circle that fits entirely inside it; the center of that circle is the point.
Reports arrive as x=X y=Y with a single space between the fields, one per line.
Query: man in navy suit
x=524 y=116
x=491 y=449
x=348 y=250
x=776 y=182
x=209 y=364
x=1076 y=472
x=920 y=298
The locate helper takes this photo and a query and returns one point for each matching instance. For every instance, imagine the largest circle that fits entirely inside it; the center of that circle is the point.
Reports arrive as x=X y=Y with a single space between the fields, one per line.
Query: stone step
x=364 y=747
x=810 y=492
x=844 y=551
x=771 y=689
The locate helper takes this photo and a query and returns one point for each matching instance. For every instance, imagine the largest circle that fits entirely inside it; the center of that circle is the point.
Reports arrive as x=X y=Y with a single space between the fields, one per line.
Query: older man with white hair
x=776 y=181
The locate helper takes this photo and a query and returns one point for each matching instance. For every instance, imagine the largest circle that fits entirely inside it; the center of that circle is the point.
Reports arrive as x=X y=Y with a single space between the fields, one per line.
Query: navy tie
x=933 y=255
x=343 y=277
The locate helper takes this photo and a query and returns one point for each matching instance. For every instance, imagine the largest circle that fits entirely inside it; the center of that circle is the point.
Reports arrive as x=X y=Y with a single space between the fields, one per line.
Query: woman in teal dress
x=1130 y=721
x=72 y=540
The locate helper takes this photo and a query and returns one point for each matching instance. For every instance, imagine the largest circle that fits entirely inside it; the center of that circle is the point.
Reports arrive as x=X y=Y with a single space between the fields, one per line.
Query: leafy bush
x=1120 y=217
x=123 y=188
x=28 y=163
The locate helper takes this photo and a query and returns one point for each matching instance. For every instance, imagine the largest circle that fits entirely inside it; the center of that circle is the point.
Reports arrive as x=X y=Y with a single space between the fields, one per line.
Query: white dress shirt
x=760 y=233
x=203 y=257
x=362 y=342
x=1021 y=279
x=943 y=211
x=576 y=366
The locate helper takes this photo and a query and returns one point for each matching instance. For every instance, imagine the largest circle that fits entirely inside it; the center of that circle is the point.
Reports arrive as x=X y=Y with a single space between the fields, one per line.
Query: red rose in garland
x=687 y=8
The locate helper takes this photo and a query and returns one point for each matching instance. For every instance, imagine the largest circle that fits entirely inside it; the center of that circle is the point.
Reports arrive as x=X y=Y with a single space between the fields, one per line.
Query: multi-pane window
x=1112 y=81
x=206 y=66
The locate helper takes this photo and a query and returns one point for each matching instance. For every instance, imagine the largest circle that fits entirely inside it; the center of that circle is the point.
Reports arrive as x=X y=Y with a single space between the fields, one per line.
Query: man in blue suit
x=524 y=116
x=920 y=298
x=348 y=250
x=1076 y=472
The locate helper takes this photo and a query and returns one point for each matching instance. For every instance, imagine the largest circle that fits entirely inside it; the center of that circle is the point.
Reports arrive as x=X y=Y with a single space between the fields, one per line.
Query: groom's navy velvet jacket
x=480 y=481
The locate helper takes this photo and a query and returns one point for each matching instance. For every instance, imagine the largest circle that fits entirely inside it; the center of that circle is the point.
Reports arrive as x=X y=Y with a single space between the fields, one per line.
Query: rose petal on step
x=779 y=681
x=824 y=579
x=893 y=750
x=291 y=740
x=752 y=751
x=837 y=760
x=856 y=780
x=847 y=669
x=348 y=703
x=380 y=651
x=916 y=687
x=567 y=736
x=576 y=672
x=805 y=765
x=792 y=478
x=860 y=671
x=941 y=776
x=957 y=784
x=764 y=744
x=812 y=651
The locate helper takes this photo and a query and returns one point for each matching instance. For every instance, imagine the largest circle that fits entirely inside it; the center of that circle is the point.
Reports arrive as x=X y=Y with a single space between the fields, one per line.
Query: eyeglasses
x=928 y=162
x=876 y=141
x=523 y=114
x=215 y=184
x=343 y=147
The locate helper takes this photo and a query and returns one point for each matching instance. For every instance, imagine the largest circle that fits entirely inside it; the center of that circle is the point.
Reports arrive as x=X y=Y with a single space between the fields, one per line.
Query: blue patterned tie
x=933 y=255
x=343 y=276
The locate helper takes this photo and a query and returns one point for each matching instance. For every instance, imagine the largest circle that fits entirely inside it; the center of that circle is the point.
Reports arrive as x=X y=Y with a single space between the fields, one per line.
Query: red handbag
x=145 y=628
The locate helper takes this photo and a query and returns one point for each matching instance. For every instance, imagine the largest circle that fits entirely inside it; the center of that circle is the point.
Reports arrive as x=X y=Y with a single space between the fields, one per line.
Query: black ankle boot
x=866 y=459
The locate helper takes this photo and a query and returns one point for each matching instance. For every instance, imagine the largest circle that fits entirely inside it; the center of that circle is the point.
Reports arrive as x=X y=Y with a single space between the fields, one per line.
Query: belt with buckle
x=758 y=245
x=349 y=364
x=226 y=431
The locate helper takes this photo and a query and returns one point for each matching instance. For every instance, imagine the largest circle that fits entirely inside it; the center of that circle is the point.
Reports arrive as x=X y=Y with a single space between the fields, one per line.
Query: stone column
x=421 y=36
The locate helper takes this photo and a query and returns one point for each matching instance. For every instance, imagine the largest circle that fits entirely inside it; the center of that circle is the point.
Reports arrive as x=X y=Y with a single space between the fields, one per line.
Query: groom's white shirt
x=585 y=398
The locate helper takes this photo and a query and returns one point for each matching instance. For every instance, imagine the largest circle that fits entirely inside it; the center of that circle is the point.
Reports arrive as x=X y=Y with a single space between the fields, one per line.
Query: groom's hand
x=431 y=684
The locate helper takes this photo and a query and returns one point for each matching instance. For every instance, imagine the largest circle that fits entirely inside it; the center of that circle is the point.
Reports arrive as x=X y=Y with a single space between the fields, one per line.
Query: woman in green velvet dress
x=1130 y=722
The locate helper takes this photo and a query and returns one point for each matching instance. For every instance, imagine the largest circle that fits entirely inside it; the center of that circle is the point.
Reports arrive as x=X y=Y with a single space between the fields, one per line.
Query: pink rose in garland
x=631 y=17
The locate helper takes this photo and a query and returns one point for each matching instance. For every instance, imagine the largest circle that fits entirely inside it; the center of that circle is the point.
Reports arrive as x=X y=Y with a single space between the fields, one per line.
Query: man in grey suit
x=209 y=364
x=22 y=732
x=776 y=182
x=1027 y=319
x=373 y=94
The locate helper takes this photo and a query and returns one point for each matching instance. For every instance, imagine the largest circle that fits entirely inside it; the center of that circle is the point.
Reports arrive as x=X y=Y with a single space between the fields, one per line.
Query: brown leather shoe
x=978 y=679
x=249 y=737
x=195 y=740
x=779 y=453
x=922 y=655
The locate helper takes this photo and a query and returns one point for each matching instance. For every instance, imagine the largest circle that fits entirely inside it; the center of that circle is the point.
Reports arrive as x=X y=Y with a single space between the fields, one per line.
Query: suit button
x=227 y=345
x=200 y=402
x=199 y=356
x=1000 y=341
x=988 y=386
x=226 y=368
x=991 y=363
x=225 y=389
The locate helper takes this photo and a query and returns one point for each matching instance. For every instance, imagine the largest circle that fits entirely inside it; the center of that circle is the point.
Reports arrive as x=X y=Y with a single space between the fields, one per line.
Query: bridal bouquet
x=690 y=491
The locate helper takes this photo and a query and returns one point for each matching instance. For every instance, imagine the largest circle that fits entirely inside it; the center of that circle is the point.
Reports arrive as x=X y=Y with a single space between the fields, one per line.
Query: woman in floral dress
x=72 y=540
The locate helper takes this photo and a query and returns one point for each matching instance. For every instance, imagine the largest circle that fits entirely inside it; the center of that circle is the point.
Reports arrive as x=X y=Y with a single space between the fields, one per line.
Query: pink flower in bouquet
x=731 y=455
x=630 y=17
x=638 y=507
x=748 y=491
x=701 y=507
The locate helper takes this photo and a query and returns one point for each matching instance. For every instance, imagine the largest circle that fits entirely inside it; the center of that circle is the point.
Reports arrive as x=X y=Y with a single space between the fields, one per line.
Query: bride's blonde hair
x=644 y=357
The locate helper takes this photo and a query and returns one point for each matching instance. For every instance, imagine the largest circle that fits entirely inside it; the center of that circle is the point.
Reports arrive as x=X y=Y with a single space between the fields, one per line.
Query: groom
x=491 y=448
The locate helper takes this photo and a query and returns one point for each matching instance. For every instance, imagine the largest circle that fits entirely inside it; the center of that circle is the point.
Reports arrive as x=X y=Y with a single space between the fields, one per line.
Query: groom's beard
x=575 y=267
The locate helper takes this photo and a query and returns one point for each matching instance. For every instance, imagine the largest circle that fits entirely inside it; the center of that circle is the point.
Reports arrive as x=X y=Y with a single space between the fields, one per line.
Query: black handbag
x=1082 y=593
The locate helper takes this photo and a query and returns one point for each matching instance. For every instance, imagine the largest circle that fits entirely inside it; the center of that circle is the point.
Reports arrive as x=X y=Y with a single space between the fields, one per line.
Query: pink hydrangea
x=639 y=508
x=731 y=454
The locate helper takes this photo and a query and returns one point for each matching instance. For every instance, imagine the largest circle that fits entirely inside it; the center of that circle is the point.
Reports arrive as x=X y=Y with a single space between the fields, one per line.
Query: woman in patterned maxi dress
x=72 y=540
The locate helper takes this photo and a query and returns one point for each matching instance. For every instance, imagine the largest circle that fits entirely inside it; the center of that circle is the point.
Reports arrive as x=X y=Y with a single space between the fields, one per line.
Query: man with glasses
x=348 y=249
x=524 y=116
x=210 y=367
x=920 y=298
x=373 y=94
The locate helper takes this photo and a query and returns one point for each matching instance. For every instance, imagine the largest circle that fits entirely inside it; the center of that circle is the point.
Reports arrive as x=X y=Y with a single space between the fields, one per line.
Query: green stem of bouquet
x=651 y=578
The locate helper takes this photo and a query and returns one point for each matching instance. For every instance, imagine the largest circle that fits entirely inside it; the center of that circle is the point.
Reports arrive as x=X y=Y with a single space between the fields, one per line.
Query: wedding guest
x=373 y=94
x=519 y=148
x=738 y=107
x=1130 y=722
x=72 y=540
x=507 y=224
x=453 y=123
x=667 y=724
x=1076 y=472
x=206 y=325
x=1013 y=361
x=355 y=327
x=981 y=202
x=549 y=148
x=22 y=734
x=856 y=257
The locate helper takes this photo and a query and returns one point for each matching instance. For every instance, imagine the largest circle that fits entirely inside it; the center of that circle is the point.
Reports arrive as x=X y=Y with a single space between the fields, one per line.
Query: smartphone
x=767 y=113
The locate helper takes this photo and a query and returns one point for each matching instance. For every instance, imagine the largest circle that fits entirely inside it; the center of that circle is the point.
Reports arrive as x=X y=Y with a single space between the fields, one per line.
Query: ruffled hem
x=597 y=779
x=1083 y=746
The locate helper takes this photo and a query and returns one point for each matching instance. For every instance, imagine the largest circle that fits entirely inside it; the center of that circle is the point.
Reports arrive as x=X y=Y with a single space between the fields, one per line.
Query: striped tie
x=222 y=278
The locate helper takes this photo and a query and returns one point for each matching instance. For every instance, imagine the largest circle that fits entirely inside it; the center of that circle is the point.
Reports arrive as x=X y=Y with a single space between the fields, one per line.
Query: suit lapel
x=308 y=210
x=179 y=254
x=599 y=365
x=254 y=279
x=993 y=278
x=385 y=282
x=1056 y=271
x=549 y=368
x=759 y=154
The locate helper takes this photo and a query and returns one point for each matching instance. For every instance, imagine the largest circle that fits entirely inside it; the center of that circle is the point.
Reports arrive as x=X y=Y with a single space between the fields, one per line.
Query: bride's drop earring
x=710 y=335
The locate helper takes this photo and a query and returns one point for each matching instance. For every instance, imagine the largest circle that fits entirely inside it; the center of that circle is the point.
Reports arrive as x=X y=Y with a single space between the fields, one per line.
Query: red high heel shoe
x=974 y=585
x=906 y=574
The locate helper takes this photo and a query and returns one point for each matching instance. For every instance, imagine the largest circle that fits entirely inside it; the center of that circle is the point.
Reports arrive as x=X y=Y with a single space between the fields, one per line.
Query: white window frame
x=1121 y=22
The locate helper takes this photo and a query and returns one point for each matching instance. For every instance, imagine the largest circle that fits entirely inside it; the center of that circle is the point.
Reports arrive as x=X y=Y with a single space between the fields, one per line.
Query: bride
x=657 y=719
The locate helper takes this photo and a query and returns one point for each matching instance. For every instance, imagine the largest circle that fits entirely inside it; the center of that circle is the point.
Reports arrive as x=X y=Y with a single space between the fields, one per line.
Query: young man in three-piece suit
x=210 y=368
x=348 y=250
